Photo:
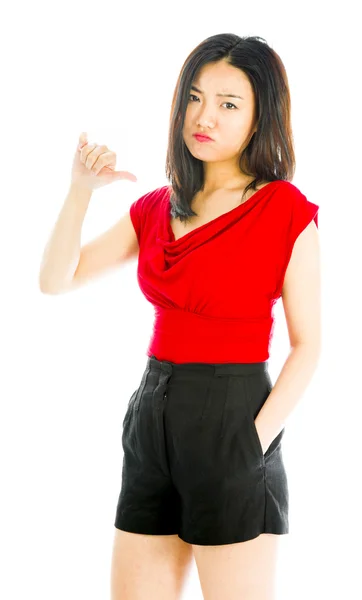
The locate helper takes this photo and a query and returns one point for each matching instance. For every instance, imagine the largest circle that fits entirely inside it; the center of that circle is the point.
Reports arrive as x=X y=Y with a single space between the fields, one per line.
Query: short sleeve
x=144 y=211
x=301 y=213
x=135 y=212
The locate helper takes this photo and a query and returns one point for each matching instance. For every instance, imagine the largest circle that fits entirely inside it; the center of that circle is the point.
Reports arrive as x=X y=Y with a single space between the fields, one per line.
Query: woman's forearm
x=288 y=389
x=61 y=254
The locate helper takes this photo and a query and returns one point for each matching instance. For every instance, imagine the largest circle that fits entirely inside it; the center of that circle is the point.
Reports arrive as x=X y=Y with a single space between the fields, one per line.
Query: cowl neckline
x=165 y=234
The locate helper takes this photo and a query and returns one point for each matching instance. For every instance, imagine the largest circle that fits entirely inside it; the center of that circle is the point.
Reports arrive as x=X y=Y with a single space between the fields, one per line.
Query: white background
x=71 y=362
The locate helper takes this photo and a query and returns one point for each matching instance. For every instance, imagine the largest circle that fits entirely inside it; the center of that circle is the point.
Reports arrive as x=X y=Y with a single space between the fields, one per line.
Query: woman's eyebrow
x=193 y=87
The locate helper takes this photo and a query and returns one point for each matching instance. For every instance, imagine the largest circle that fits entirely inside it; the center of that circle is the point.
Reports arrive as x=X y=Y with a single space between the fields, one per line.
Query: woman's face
x=229 y=121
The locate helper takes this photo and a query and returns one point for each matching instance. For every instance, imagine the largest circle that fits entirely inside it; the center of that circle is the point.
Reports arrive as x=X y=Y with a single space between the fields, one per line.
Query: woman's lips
x=202 y=138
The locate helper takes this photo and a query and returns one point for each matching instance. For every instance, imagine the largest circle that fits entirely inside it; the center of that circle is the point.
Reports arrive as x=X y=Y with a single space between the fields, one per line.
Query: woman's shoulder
x=292 y=205
x=286 y=194
x=150 y=199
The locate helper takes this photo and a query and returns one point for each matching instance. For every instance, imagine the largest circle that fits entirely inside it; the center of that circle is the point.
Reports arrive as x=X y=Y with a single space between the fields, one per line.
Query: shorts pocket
x=252 y=427
x=129 y=407
x=269 y=382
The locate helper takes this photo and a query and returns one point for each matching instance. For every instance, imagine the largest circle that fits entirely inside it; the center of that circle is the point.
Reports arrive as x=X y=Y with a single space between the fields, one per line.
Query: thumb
x=125 y=175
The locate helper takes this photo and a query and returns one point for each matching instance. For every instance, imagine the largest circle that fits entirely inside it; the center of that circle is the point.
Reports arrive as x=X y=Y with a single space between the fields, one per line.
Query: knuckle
x=89 y=147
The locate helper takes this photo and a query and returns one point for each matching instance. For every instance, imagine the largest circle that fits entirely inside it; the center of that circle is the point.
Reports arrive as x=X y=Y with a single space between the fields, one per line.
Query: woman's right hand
x=94 y=166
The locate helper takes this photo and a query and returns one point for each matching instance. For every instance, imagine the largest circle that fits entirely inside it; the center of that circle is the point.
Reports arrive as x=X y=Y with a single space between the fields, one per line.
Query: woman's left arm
x=301 y=295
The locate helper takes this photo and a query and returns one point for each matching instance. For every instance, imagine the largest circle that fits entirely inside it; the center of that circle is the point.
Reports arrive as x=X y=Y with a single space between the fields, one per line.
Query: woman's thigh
x=244 y=570
x=149 y=567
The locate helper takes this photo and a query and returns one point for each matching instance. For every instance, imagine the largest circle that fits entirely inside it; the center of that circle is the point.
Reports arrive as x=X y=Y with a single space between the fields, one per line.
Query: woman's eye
x=230 y=103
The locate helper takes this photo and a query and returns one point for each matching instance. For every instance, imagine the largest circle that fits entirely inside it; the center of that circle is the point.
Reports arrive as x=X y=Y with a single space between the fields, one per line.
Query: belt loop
x=166 y=367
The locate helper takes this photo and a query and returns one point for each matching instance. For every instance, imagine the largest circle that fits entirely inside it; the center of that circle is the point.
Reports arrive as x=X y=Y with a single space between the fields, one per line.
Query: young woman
x=203 y=473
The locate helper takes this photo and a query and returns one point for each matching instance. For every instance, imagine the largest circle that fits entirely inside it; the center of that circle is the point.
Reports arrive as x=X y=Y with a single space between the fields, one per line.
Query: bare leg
x=245 y=570
x=149 y=567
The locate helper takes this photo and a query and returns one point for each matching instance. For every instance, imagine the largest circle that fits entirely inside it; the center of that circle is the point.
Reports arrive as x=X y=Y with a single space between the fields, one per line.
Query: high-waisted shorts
x=193 y=463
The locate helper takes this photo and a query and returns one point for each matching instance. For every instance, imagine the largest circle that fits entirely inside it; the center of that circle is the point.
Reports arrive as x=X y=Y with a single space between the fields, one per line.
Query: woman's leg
x=244 y=570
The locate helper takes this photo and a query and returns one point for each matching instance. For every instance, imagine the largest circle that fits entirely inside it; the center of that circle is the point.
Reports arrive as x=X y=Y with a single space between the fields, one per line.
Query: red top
x=213 y=290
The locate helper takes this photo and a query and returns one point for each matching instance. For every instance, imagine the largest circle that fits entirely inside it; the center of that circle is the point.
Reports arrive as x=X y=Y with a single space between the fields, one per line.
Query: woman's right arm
x=62 y=252
x=65 y=265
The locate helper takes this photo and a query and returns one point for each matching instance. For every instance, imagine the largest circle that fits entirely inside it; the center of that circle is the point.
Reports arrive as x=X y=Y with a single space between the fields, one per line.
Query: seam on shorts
x=224 y=410
x=252 y=424
x=206 y=405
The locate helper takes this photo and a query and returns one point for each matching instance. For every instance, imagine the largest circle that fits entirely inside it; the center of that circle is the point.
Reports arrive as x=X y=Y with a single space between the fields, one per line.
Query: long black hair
x=269 y=154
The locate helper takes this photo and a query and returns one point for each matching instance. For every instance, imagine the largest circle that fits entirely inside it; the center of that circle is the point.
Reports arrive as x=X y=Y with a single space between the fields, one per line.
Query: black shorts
x=193 y=464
